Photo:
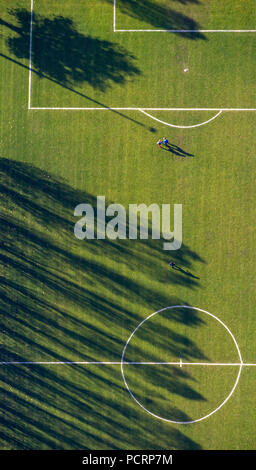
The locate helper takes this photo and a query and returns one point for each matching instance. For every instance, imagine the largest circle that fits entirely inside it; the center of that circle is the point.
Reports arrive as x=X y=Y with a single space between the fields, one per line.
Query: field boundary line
x=114 y=17
x=30 y=53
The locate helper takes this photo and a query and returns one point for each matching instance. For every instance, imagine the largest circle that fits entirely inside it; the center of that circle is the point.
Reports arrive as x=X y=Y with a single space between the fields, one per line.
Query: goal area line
x=184 y=31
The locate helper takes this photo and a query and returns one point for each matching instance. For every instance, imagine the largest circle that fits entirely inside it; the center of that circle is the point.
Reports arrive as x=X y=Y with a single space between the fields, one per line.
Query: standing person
x=172 y=264
x=165 y=141
x=159 y=143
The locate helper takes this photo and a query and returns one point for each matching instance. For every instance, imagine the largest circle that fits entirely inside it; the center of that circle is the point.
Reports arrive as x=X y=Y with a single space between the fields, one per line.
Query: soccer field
x=103 y=344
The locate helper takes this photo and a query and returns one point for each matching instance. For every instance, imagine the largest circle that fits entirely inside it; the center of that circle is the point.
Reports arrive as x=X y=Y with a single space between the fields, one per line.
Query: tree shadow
x=69 y=57
x=96 y=102
x=64 y=414
x=62 y=299
x=164 y=17
x=61 y=54
x=185 y=2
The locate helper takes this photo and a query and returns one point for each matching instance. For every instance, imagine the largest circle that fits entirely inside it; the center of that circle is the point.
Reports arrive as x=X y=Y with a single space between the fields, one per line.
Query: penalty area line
x=178 y=126
x=48 y=108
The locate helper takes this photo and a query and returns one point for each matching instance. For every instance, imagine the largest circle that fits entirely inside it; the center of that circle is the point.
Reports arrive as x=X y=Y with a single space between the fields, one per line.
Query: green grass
x=184 y=15
x=69 y=300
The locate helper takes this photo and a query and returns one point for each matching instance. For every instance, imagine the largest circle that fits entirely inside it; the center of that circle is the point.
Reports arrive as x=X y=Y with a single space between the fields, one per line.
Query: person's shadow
x=176 y=150
x=187 y=273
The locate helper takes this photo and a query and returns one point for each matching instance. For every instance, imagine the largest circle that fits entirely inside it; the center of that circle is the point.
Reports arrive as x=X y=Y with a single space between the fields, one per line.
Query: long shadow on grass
x=161 y=16
x=61 y=54
x=62 y=299
x=177 y=150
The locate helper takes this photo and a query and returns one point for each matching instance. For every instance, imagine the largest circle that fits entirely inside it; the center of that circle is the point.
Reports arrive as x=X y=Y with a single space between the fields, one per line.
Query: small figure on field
x=172 y=264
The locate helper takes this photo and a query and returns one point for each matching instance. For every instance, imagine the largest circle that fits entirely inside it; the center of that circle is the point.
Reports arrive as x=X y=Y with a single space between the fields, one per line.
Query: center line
x=180 y=363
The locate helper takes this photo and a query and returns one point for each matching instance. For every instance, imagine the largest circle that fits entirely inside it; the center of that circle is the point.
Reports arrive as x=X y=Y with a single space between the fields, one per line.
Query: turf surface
x=68 y=300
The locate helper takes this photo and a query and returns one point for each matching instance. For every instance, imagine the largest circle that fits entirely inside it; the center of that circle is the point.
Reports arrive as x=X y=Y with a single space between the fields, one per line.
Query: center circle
x=156 y=364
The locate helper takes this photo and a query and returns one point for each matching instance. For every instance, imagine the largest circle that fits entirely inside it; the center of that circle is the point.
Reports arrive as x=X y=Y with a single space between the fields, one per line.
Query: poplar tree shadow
x=62 y=299
x=163 y=17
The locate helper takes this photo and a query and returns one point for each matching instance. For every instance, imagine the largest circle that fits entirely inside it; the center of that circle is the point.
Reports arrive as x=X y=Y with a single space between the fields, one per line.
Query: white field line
x=30 y=54
x=185 y=30
x=180 y=363
x=240 y=364
x=114 y=17
x=178 y=126
x=139 y=109
x=47 y=108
